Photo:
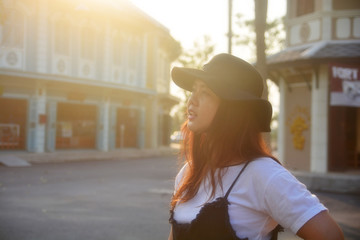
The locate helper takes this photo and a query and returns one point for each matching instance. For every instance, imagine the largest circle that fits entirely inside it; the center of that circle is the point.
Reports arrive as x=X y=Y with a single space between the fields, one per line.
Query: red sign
x=42 y=118
x=345 y=85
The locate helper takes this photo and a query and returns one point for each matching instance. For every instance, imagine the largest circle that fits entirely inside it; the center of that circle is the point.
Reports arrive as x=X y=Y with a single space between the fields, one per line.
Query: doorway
x=344 y=138
x=13 y=117
x=76 y=126
x=127 y=128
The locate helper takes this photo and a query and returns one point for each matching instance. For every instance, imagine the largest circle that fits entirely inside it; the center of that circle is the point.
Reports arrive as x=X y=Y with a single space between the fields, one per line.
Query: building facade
x=318 y=75
x=82 y=74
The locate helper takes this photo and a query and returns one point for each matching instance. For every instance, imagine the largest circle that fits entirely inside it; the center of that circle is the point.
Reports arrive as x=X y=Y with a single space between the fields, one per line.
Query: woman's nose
x=193 y=99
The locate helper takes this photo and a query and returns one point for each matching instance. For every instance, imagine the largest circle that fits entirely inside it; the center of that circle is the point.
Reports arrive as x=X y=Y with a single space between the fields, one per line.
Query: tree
x=274 y=34
x=263 y=37
x=197 y=56
x=260 y=28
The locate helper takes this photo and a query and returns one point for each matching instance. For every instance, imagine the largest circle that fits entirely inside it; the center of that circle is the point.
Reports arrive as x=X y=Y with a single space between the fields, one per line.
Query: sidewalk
x=89 y=155
x=348 y=183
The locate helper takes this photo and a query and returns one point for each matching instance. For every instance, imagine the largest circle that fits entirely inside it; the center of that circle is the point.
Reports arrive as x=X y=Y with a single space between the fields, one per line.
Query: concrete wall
x=297 y=127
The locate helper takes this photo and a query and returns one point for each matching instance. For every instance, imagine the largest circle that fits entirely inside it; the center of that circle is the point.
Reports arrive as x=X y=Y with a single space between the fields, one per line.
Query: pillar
x=37 y=121
x=51 y=126
x=319 y=121
x=103 y=126
x=282 y=121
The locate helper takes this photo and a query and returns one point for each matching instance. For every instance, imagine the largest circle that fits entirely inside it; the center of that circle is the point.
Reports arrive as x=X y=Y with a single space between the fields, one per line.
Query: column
x=51 y=126
x=37 y=121
x=42 y=37
x=112 y=127
x=143 y=65
x=151 y=127
x=141 y=127
x=327 y=22
x=108 y=60
x=103 y=126
x=282 y=121
x=319 y=122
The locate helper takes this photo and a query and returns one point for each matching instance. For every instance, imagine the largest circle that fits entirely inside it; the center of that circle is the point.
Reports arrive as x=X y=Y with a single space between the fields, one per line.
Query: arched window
x=62 y=37
x=14 y=27
x=134 y=54
x=345 y=4
x=118 y=49
x=87 y=43
x=304 y=7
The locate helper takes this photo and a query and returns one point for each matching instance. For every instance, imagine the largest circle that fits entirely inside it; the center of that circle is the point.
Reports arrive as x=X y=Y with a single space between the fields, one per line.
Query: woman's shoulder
x=264 y=170
x=265 y=165
x=183 y=169
x=262 y=165
x=180 y=174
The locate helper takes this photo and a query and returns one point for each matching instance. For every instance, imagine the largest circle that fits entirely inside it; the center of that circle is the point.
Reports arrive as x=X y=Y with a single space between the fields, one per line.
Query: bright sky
x=189 y=20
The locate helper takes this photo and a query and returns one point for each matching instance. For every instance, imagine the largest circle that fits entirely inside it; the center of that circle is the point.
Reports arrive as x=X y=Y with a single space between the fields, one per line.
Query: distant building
x=82 y=74
x=318 y=75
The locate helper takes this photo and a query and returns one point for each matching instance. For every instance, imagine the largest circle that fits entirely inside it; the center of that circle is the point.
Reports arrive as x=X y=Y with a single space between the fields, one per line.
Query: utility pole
x=230 y=28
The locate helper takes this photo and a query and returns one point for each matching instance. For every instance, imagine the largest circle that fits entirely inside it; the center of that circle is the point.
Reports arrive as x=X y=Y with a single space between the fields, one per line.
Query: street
x=110 y=199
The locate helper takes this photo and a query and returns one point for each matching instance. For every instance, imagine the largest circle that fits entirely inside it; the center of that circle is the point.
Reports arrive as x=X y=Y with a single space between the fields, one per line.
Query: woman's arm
x=170 y=235
x=321 y=227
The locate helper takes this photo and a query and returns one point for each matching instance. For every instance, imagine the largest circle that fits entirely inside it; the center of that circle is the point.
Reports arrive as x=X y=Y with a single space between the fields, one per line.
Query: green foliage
x=274 y=34
x=197 y=56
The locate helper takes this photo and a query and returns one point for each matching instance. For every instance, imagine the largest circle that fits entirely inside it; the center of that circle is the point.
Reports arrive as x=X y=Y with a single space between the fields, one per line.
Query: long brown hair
x=233 y=138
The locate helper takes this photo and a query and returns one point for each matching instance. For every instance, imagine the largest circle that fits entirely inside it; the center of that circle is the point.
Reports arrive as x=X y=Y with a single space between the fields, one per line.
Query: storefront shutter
x=112 y=128
x=51 y=126
x=32 y=122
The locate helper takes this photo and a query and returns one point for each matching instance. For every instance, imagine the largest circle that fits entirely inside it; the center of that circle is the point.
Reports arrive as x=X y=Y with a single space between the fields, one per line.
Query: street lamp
x=230 y=28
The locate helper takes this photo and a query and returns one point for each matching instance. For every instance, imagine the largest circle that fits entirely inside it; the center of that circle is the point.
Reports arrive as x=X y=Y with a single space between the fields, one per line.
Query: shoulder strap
x=275 y=232
x=237 y=177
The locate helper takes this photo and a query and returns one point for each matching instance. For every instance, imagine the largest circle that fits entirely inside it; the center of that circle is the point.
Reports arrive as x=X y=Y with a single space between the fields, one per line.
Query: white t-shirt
x=264 y=195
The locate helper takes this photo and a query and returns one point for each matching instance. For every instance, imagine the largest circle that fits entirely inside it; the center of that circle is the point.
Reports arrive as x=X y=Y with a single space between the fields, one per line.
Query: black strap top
x=211 y=223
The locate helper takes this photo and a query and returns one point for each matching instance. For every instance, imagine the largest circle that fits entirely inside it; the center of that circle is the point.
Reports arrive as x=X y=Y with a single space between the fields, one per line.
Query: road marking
x=161 y=191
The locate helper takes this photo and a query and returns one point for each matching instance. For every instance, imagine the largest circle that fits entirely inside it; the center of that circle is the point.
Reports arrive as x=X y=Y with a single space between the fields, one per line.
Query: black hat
x=230 y=78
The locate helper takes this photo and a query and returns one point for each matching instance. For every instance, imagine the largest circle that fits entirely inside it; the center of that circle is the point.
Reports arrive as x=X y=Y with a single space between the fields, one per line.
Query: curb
x=345 y=183
x=90 y=155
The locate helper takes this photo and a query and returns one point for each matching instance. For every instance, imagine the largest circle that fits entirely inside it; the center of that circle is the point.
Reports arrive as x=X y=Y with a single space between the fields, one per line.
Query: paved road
x=115 y=199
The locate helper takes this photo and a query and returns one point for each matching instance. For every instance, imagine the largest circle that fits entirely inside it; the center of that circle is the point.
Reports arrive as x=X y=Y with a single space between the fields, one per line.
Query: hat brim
x=185 y=78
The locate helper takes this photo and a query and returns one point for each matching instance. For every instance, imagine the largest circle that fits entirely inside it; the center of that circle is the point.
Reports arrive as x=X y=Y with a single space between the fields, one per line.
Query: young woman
x=230 y=186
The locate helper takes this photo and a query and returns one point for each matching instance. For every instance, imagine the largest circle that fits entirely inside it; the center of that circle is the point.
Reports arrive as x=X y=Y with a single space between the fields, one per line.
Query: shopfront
x=13 y=117
x=127 y=128
x=76 y=126
x=344 y=116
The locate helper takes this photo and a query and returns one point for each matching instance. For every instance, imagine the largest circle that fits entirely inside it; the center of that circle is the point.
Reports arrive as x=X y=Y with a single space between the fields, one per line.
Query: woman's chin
x=194 y=128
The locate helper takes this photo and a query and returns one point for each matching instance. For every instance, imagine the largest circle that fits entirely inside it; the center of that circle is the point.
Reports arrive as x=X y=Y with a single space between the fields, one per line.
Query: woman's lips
x=191 y=115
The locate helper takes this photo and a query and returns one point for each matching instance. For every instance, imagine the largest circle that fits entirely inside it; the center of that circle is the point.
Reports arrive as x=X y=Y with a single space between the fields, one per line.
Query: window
x=13 y=30
x=304 y=7
x=62 y=37
x=345 y=4
x=118 y=49
x=163 y=74
x=134 y=53
x=87 y=43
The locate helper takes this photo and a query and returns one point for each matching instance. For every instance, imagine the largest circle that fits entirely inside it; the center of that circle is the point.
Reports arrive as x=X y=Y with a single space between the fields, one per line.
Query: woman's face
x=202 y=107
